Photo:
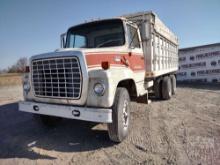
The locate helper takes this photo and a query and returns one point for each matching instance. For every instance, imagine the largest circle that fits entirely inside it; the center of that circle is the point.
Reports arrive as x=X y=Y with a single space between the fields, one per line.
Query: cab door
x=135 y=49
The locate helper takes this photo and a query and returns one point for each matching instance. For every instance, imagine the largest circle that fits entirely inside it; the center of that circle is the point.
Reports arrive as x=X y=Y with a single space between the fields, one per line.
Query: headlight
x=99 y=89
x=26 y=87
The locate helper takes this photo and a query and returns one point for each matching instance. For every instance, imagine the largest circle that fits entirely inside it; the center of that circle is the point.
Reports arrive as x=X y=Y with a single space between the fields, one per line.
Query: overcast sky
x=29 y=27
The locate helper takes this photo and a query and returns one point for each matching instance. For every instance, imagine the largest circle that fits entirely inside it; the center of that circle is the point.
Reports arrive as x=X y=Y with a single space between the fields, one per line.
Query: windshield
x=96 y=35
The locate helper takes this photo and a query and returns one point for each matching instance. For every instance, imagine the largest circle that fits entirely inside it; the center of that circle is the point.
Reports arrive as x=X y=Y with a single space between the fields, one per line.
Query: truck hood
x=84 y=51
x=94 y=50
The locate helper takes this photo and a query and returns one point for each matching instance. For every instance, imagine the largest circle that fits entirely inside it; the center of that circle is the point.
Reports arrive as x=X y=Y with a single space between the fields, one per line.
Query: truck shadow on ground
x=22 y=137
x=143 y=99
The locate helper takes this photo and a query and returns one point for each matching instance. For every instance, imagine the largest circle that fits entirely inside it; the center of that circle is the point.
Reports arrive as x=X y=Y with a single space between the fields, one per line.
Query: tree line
x=18 y=67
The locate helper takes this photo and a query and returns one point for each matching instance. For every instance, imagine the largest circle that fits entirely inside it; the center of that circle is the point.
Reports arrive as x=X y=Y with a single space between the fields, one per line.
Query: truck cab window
x=77 y=41
x=133 y=37
x=107 y=33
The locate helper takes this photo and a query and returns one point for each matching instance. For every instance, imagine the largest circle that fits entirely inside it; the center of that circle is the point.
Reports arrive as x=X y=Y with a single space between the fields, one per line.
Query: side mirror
x=63 y=40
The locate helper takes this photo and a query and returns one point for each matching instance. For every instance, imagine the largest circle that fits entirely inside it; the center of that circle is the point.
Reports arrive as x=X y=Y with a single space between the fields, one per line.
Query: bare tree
x=19 y=66
x=3 y=71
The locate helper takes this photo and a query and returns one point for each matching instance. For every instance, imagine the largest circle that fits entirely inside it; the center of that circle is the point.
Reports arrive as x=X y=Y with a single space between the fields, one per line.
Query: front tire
x=119 y=128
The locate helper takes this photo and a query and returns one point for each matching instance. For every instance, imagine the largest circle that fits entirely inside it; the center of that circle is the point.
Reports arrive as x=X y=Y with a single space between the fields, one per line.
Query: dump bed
x=160 y=45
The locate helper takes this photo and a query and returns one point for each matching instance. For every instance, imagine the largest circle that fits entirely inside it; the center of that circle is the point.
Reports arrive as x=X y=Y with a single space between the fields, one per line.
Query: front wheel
x=119 y=128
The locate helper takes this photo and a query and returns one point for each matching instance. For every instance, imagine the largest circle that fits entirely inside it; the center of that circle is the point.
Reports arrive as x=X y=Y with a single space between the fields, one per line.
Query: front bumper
x=100 y=115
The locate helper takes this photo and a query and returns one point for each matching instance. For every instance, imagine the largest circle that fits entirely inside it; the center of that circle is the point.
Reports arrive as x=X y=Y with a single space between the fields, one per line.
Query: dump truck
x=101 y=67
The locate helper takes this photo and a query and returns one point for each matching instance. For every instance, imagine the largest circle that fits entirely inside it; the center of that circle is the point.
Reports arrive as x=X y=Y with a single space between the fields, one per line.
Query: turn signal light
x=105 y=65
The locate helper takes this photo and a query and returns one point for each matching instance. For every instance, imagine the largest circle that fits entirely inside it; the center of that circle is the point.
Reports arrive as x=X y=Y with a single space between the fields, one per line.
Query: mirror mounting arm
x=63 y=40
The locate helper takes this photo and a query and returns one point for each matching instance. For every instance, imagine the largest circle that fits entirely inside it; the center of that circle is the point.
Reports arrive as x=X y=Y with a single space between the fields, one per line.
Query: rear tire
x=173 y=82
x=157 y=89
x=119 y=128
x=166 y=88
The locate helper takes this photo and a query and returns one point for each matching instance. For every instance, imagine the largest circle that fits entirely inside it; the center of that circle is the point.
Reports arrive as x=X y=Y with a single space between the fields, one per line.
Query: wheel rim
x=125 y=116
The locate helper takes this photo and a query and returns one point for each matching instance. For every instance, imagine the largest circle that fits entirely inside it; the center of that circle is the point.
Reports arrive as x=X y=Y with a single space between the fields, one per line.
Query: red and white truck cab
x=101 y=66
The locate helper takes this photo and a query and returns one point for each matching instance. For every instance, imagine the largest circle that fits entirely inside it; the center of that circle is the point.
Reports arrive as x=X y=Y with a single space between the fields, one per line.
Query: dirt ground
x=9 y=79
x=184 y=130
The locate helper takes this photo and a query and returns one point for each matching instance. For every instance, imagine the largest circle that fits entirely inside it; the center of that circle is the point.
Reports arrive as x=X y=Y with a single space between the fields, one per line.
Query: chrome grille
x=57 y=78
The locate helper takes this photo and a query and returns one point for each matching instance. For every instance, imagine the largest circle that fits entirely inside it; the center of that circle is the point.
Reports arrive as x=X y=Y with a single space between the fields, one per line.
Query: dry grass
x=10 y=79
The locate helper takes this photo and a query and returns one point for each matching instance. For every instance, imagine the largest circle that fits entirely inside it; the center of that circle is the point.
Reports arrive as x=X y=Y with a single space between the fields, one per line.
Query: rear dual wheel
x=173 y=82
x=168 y=87
x=158 y=88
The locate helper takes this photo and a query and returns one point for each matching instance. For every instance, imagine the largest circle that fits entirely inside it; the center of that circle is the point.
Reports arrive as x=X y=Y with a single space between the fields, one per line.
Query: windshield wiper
x=106 y=42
